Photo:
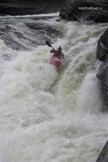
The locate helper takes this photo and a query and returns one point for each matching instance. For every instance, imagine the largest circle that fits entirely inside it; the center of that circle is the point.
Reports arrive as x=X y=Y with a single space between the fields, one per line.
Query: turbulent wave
x=46 y=115
x=27 y=32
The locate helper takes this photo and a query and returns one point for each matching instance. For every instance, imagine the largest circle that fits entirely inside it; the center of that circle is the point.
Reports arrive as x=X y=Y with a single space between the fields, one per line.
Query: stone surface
x=103 y=157
x=102 y=47
x=102 y=55
x=81 y=10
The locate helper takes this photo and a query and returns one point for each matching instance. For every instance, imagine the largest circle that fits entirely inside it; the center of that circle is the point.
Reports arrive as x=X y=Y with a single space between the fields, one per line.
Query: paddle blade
x=48 y=43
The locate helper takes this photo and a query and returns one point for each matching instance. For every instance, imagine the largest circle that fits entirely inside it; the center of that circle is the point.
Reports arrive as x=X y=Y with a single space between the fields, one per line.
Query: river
x=48 y=115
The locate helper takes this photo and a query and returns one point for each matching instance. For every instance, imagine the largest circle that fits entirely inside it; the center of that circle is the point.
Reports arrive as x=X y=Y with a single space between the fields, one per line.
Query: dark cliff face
x=102 y=47
x=102 y=55
x=23 y=7
x=79 y=10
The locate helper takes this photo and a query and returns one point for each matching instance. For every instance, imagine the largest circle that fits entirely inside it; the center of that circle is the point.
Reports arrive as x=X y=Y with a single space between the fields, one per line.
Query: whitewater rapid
x=48 y=115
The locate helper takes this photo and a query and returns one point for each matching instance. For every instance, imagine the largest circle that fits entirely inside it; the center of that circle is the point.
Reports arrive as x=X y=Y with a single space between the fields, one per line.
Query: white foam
x=30 y=16
x=53 y=116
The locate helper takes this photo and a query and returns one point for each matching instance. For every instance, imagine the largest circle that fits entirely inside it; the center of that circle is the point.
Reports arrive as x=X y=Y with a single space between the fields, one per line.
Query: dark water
x=25 y=7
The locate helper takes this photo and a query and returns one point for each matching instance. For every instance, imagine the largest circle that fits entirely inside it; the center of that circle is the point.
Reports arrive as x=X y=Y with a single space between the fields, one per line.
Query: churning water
x=48 y=115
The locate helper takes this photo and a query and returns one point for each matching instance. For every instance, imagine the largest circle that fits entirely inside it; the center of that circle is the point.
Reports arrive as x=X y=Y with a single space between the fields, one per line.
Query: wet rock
x=103 y=157
x=102 y=55
x=102 y=47
x=83 y=10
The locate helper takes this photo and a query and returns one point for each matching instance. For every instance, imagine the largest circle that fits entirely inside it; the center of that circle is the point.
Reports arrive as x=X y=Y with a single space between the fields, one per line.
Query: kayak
x=56 y=61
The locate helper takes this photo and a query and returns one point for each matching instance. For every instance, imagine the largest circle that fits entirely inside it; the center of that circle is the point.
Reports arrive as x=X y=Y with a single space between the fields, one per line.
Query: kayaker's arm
x=53 y=51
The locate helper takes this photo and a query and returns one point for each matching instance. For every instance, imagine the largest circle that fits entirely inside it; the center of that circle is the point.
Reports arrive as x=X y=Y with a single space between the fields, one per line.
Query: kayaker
x=58 y=53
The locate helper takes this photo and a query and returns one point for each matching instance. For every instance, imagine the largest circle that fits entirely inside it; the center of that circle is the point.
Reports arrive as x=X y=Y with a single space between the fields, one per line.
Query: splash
x=46 y=115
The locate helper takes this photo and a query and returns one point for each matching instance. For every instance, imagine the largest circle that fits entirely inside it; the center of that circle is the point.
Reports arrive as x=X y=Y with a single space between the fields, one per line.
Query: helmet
x=59 y=48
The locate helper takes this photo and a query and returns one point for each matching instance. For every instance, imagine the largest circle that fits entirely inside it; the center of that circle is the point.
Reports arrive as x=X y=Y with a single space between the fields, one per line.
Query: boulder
x=83 y=10
x=102 y=47
x=102 y=55
x=103 y=157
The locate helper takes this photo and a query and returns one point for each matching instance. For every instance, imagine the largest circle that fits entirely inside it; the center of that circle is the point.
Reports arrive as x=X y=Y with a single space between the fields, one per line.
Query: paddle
x=48 y=44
